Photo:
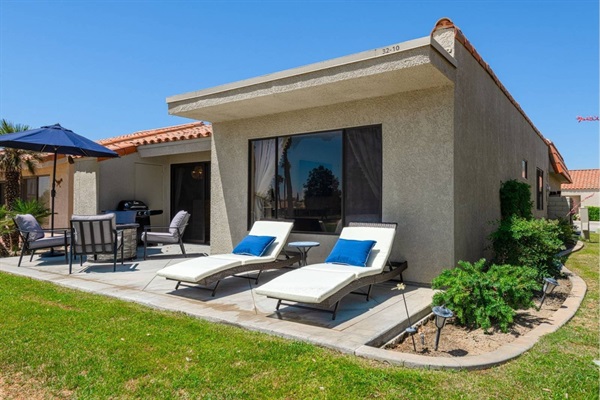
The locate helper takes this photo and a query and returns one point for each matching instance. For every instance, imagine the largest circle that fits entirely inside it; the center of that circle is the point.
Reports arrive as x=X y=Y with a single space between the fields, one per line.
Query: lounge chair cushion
x=28 y=224
x=351 y=252
x=253 y=245
x=196 y=269
x=356 y=271
x=245 y=260
x=306 y=286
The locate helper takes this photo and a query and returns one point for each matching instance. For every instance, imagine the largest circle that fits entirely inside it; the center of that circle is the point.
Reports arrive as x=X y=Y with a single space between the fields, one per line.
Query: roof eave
x=368 y=74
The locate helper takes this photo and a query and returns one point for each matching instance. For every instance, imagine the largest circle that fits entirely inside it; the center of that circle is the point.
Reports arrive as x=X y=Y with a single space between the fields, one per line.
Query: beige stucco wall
x=147 y=179
x=417 y=173
x=491 y=139
x=64 y=189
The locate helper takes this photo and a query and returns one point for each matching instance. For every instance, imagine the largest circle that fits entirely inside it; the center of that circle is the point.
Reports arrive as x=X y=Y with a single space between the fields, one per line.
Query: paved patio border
x=499 y=356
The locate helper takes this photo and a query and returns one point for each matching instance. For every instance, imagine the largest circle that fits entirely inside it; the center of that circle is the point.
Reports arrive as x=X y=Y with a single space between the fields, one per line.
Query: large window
x=321 y=181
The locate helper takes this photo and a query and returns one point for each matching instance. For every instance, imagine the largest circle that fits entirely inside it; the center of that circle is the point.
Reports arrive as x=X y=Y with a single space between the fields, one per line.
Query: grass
x=60 y=343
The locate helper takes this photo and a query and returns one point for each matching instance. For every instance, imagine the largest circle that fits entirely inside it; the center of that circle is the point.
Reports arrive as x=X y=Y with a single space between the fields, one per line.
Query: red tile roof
x=557 y=161
x=583 y=179
x=128 y=144
x=555 y=158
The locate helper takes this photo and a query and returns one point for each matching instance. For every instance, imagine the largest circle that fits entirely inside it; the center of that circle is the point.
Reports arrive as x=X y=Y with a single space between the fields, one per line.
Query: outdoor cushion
x=49 y=241
x=178 y=221
x=253 y=245
x=280 y=229
x=384 y=239
x=305 y=285
x=351 y=252
x=358 y=272
x=196 y=269
x=160 y=237
x=100 y=228
x=244 y=259
x=28 y=224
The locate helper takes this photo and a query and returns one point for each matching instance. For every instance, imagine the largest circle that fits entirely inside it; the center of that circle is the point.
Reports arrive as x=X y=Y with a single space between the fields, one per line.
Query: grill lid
x=125 y=205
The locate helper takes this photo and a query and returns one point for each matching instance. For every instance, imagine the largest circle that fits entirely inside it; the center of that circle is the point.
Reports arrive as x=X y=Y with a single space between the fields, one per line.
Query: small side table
x=303 y=248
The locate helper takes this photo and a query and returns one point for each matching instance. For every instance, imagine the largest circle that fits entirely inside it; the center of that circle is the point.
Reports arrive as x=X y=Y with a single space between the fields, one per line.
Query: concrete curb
x=578 y=246
x=500 y=356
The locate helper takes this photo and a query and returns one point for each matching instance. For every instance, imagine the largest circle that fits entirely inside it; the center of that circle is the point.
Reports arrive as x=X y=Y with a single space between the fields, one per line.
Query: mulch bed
x=457 y=341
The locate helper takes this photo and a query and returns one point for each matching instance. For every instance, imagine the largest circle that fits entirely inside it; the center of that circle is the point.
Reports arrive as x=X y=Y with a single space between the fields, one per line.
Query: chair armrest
x=57 y=230
x=150 y=227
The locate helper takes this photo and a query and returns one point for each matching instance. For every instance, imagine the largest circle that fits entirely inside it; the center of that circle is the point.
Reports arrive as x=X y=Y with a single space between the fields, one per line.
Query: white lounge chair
x=325 y=284
x=208 y=270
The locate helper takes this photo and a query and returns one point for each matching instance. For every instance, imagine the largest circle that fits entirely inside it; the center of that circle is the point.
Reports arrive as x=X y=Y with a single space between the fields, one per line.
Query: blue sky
x=104 y=68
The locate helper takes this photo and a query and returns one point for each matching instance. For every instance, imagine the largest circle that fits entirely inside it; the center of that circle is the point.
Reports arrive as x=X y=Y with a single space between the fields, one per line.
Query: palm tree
x=11 y=164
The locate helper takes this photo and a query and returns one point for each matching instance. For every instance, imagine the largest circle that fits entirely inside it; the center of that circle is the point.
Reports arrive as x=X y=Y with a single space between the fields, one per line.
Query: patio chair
x=34 y=236
x=94 y=235
x=205 y=271
x=323 y=285
x=172 y=234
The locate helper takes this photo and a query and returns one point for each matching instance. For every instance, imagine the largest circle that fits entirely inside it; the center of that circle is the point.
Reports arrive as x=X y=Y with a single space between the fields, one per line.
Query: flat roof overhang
x=414 y=65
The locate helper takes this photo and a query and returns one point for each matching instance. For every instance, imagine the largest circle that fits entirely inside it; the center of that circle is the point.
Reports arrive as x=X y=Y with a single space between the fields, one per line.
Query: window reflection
x=319 y=180
x=309 y=181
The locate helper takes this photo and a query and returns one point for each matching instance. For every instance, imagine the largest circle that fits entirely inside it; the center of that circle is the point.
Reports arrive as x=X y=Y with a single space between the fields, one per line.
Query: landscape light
x=441 y=315
x=549 y=285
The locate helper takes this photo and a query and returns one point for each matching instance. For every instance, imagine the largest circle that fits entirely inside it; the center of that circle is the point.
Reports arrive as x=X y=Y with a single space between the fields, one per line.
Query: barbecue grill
x=143 y=213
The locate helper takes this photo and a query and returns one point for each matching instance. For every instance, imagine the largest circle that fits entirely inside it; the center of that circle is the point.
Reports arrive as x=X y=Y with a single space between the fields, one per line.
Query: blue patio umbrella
x=58 y=140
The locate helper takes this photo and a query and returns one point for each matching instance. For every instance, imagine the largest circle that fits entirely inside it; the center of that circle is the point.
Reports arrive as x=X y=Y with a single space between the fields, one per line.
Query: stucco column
x=85 y=187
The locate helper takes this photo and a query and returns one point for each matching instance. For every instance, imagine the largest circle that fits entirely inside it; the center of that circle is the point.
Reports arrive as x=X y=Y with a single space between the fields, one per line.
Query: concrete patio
x=358 y=322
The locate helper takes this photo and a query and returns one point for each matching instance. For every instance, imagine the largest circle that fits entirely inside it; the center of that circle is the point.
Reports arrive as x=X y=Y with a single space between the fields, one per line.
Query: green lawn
x=62 y=343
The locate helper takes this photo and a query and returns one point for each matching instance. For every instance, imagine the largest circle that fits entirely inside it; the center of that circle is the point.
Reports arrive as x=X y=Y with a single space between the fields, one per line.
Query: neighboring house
x=585 y=189
x=167 y=168
x=421 y=133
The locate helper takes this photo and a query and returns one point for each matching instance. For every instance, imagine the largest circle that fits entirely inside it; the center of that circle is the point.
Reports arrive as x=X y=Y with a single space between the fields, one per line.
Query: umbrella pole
x=53 y=192
x=52 y=252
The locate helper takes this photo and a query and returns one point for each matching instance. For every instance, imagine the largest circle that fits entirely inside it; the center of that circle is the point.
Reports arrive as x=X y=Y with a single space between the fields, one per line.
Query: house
x=421 y=133
x=584 y=191
x=168 y=169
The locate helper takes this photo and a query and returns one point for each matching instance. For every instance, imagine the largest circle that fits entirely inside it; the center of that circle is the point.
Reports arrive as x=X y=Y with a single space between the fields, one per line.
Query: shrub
x=7 y=228
x=483 y=298
x=567 y=231
x=532 y=243
x=594 y=213
x=515 y=199
x=33 y=207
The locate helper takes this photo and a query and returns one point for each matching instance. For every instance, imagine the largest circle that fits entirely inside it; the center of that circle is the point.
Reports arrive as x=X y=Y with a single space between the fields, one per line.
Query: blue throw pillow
x=351 y=252
x=254 y=245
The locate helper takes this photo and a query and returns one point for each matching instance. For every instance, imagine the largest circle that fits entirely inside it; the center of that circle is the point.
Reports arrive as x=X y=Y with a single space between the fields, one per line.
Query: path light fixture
x=441 y=315
x=411 y=330
x=549 y=285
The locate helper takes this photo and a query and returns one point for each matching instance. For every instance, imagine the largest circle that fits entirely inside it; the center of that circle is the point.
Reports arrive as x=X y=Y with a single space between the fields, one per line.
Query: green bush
x=532 y=243
x=481 y=297
x=567 y=231
x=594 y=213
x=33 y=207
x=515 y=199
